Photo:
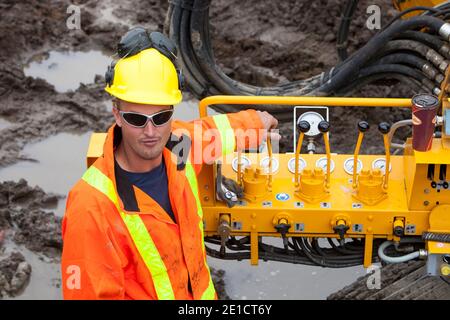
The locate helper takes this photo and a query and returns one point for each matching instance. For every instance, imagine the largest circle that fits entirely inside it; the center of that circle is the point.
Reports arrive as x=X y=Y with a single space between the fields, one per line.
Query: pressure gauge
x=313 y=118
x=245 y=162
x=380 y=164
x=322 y=163
x=348 y=165
x=301 y=164
x=265 y=165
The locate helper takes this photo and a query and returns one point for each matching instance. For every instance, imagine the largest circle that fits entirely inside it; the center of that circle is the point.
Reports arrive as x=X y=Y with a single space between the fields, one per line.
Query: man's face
x=148 y=142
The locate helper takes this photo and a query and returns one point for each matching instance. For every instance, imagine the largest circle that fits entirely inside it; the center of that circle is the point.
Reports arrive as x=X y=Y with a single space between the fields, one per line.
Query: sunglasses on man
x=139 y=120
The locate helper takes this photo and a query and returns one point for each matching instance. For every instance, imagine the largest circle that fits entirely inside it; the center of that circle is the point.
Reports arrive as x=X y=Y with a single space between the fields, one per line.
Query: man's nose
x=149 y=128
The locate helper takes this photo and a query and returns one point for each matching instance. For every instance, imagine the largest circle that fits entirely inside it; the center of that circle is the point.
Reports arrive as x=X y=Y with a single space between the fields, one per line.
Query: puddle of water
x=4 y=124
x=61 y=162
x=66 y=70
x=188 y=110
x=44 y=276
x=282 y=281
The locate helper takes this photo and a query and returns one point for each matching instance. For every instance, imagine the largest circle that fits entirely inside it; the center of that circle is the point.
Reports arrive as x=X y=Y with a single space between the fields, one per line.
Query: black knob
x=363 y=126
x=303 y=126
x=399 y=231
x=324 y=126
x=341 y=230
x=384 y=127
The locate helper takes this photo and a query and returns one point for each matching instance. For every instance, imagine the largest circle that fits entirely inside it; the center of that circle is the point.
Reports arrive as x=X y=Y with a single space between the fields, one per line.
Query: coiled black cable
x=188 y=24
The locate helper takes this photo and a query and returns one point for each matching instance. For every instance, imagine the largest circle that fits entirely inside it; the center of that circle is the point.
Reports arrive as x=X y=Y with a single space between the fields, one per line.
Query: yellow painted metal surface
x=435 y=247
x=303 y=101
x=95 y=148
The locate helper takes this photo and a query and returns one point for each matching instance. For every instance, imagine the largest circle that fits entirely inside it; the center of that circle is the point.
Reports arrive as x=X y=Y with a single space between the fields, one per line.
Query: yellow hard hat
x=147 y=77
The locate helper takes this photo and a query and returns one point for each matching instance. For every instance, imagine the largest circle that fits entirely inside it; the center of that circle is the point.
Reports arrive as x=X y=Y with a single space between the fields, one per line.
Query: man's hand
x=269 y=123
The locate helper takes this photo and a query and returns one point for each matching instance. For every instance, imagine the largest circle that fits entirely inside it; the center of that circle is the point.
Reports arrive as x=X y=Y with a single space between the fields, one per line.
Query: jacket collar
x=132 y=199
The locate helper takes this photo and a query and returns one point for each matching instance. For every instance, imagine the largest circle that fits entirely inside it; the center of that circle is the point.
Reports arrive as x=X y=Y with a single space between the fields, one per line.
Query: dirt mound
x=15 y=274
x=24 y=219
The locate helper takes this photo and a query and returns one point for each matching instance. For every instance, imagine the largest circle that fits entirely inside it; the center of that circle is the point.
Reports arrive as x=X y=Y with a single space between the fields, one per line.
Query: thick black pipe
x=350 y=69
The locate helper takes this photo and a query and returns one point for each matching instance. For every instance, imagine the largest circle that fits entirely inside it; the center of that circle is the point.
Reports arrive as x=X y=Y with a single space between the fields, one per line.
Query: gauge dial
x=245 y=162
x=313 y=118
x=348 y=165
x=265 y=165
x=380 y=164
x=322 y=163
x=301 y=164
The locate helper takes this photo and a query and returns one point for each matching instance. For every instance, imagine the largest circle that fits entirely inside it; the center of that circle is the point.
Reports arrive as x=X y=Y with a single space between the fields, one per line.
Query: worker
x=133 y=224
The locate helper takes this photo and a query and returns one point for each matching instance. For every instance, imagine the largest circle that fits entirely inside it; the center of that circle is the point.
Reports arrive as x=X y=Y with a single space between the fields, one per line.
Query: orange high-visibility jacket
x=120 y=244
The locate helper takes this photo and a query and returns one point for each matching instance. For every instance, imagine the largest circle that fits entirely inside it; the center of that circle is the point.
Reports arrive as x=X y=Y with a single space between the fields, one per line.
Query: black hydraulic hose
x=414 y=61
x=443 y=12
x=402 y=58
x=330 y=254
x=397 y=68
x=344 y=26
x=174 y=31
x=321 y=261
x=427 y=39
x=189 y=57
x=391 y=32
x=413 y=46
x=373 y=46
x=338 y=248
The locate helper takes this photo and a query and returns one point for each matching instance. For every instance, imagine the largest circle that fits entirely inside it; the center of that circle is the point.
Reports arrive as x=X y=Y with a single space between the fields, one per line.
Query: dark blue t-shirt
x=155 y=184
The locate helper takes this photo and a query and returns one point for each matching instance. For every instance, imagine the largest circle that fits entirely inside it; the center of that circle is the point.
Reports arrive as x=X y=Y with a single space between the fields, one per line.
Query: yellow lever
x=304 y=127
x=384 y=128
x=324 y=127
x=269 y=151
x=363 y=126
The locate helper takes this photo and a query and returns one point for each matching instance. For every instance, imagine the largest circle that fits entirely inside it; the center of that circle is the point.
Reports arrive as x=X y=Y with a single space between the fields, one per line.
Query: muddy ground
x=260 y=42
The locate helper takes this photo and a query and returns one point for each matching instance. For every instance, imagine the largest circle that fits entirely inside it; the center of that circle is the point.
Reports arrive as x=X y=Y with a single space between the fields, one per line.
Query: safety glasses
x=139 y=120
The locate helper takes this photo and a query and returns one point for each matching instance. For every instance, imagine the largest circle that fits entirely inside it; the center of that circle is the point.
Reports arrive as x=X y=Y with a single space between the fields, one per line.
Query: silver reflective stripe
x=210 y=292
x=227 y=137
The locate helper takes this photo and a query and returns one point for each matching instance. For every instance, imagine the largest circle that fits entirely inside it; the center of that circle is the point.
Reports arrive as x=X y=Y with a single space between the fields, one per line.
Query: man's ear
x=116 y=114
